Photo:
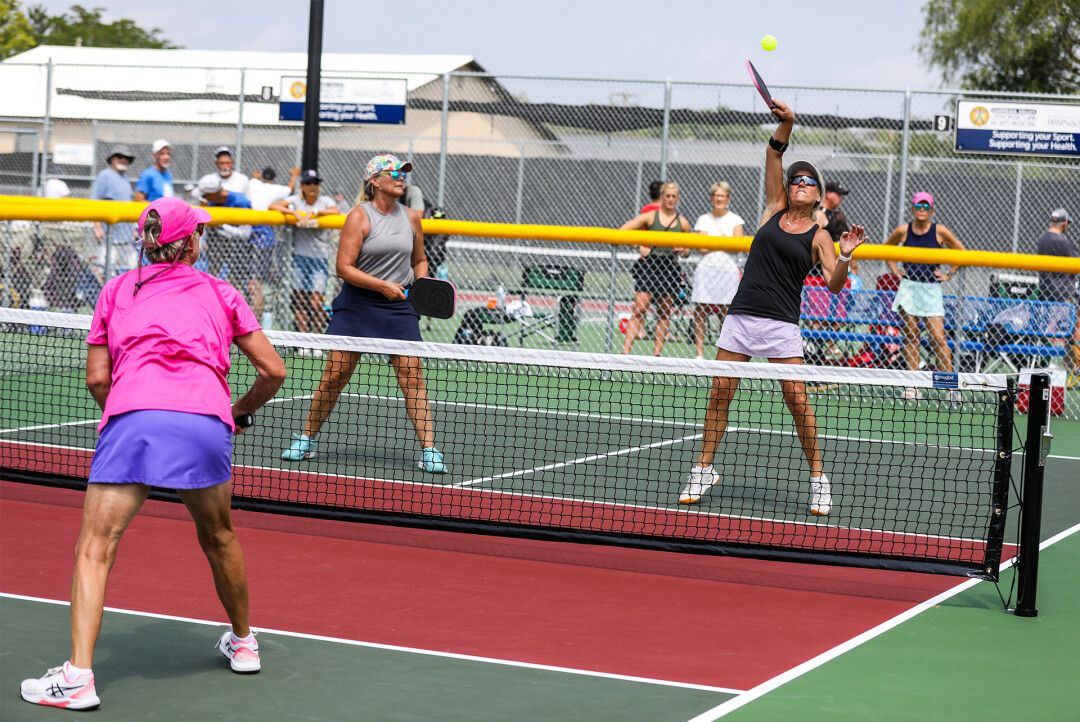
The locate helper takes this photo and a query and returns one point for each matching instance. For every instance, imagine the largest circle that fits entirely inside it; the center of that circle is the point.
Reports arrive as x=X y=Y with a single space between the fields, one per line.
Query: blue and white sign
x=984 y=126
x=347 y=100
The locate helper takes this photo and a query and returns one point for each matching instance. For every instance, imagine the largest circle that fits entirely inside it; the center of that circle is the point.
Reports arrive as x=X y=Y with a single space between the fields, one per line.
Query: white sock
x=243 y=640
x=705 y=468
x=821 y=478
x=72 y=673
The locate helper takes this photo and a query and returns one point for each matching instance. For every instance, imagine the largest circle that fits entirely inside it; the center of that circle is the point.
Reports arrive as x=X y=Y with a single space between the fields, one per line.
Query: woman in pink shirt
x=156 y=364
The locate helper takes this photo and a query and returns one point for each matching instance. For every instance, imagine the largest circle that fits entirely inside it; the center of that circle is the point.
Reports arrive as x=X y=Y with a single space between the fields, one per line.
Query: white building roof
x=207 y=80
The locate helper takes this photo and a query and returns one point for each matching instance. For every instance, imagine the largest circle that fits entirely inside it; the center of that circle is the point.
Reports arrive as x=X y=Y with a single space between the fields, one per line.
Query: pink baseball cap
x=178 y=219
x=922 y=196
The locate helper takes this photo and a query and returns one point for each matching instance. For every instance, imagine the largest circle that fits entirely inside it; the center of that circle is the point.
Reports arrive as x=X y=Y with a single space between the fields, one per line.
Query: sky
x=839 y=43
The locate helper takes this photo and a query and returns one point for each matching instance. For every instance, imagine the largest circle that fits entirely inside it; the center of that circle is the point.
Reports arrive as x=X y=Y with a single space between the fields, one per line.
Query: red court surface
x=716 y=621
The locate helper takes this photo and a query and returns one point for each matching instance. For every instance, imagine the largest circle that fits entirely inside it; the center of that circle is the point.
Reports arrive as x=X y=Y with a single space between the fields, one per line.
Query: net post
x=1031 y=509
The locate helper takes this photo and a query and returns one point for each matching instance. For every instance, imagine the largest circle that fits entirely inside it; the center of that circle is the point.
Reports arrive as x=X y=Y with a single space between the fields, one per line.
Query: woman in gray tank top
x=380 y=253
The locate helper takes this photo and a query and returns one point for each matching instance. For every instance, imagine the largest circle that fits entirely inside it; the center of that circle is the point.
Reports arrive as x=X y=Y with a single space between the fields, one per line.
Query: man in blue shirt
x=156 y=181
x=116 y=253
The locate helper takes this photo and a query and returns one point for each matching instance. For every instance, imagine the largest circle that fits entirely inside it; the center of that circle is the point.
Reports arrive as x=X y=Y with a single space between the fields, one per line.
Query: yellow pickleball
x=768 y=43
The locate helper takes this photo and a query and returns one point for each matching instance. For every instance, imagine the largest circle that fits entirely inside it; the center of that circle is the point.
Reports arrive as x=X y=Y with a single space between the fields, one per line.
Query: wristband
x=842 y=257
x=777 y=145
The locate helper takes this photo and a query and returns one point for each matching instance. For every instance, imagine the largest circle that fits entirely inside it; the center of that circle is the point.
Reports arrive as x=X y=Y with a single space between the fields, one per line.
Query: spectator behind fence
x=654 y=197
x=311 y=250
x=227 y=250
x=1061 y=287
x=822 y=304
x=117 y=240
x=919 y=295
x=656 y=274
x=263 y=190
x=716 y=278
x=156 y=181
x=231 y=180
x=55 y=187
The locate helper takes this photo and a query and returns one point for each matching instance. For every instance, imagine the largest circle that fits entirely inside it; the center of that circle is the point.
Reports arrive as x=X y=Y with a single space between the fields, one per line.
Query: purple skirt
x=172 y=449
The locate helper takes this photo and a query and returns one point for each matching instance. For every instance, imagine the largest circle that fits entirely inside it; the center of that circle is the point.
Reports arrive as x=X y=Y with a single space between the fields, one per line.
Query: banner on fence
x=1050 y=129
x=347 y=100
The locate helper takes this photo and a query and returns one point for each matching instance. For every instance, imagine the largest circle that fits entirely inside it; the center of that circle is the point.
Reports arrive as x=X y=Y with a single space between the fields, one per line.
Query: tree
x=16 y=35
x=1028 y=46
x=78 y=26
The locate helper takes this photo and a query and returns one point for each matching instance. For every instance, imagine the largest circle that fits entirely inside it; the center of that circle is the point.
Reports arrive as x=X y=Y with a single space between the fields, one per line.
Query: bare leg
x=637 y=320
x=716 y=414
x=213 y=524
x=911 y=340
x=805 y=419
x=701 y=318
x=936 y=326
x=663 y=319
x=107 y=511
x=337 y=372
x=410 y=378
x=254 y=288
x=299 y=305
x=316 y=315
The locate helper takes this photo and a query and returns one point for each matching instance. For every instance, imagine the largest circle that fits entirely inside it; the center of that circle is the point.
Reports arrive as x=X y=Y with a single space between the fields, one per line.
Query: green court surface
x=322 y=680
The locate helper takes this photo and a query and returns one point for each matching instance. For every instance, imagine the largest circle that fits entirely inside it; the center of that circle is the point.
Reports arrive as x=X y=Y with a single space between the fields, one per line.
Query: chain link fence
x=559 y=151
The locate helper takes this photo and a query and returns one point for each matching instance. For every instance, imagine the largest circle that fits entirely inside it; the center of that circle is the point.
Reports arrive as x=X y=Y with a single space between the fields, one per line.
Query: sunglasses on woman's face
x=396 y=174
x=921 y=206
x=805 y=179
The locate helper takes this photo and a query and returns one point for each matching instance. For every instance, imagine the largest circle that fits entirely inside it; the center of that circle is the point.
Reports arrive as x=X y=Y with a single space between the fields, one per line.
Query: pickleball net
x=582 y=447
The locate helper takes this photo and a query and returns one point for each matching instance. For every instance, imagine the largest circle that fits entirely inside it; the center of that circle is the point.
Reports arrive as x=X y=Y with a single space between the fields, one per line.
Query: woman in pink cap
x=156 y=364
x=380 y=253
x=919 y=296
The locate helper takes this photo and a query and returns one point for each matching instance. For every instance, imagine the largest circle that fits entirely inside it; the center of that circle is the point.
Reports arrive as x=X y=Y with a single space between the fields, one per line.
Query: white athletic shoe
x=821 y=492
x=243 y=656
x=54 y=690
x=701 y=480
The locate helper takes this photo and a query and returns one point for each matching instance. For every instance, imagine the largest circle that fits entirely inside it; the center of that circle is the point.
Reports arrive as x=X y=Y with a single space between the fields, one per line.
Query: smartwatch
x=244 y=421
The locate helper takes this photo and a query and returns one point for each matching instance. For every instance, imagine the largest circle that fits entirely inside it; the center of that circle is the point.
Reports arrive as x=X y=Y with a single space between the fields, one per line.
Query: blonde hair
x=367 y=192
x=669 y=185
x=720 y=186
x=167 y=253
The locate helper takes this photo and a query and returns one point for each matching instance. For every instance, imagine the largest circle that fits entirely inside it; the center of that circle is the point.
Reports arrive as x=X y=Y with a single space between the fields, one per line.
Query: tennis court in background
x=433 y=624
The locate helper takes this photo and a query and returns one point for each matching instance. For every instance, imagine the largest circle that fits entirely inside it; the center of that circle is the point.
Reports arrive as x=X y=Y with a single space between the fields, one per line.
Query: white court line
x=579 y=460
x=743 y=699
x=409 y=650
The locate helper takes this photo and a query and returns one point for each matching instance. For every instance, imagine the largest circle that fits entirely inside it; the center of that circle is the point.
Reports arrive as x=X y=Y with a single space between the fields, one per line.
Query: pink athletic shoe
x=243 y=656
x=56 y=690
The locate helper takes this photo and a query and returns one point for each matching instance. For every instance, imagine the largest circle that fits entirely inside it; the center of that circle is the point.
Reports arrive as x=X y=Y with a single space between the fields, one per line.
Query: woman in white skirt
x=717 y=275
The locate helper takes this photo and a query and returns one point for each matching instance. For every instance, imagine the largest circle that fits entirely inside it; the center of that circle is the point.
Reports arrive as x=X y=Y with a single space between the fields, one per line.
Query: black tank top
x=772 y=281
x=921 y=272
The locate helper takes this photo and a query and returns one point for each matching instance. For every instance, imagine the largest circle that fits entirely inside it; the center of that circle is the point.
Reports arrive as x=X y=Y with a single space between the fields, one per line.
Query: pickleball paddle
x=432 y=297
x=760 y=85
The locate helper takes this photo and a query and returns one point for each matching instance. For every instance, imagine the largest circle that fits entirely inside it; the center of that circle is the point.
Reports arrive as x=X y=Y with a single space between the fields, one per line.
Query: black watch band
x=244 y=421
x=777 y=145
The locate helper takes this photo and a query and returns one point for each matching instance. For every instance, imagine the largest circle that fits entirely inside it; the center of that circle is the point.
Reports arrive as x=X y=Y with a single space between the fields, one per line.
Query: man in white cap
x=1061 y=287
x=156 y=181
x=231 y=180
x=117 y=251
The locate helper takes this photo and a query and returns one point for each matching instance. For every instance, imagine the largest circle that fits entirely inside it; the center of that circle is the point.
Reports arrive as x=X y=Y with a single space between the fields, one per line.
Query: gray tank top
x=387 y=251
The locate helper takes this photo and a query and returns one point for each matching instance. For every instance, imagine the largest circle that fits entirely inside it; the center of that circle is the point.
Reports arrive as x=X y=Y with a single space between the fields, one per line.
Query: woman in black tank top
x=764 y=315
x=656 y=274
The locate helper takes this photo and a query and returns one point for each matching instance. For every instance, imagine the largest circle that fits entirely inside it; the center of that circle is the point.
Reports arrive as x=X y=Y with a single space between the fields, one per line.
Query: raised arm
x=776 y=198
